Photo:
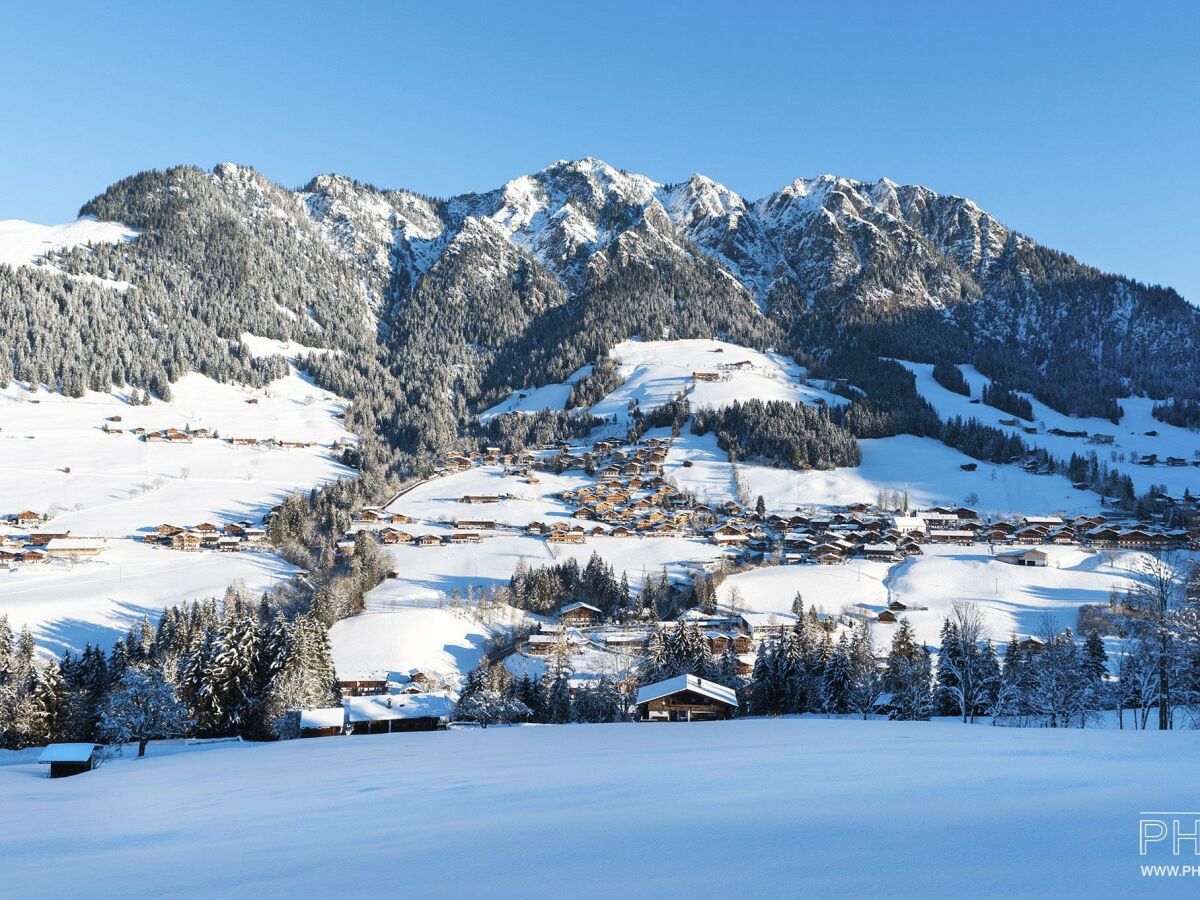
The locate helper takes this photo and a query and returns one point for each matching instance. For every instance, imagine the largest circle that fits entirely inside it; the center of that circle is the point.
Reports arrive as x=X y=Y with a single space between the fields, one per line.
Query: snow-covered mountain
x=523 y=284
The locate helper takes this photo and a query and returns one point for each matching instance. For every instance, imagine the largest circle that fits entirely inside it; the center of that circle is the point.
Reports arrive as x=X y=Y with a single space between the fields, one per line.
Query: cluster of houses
x=206 y=536
x=186 y=435
x=514 y=463
x=29 y=546
x=630 y=497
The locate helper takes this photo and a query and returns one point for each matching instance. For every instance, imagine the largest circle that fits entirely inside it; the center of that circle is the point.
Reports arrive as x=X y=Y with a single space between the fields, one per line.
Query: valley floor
x=751 y=807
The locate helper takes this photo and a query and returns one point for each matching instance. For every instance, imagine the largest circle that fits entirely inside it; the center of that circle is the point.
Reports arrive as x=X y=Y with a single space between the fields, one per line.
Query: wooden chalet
x=579 y=615
x=685 y=698
x=362 y=687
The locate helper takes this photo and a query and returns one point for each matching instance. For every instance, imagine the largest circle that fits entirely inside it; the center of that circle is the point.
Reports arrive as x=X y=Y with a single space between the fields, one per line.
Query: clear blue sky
x=1077 y=123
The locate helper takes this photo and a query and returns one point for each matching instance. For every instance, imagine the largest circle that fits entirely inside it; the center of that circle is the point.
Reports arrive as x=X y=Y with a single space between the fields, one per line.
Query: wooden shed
x=69 y=759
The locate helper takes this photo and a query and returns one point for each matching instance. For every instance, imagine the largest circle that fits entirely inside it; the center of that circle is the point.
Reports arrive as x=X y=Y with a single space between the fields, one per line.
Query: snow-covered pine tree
x=868 y=686
x=839 y=679
x=907 y=677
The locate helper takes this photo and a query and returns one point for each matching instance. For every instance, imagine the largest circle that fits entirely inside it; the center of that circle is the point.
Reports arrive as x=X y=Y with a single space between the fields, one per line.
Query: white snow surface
x=67 y=604
x=656 y=372
x=940 y=808
x=120 y=487
x=1130 y=438
x=1013 y=599
x=547 y=397
x=23 y=243
x=929 y=471
x=443 y=643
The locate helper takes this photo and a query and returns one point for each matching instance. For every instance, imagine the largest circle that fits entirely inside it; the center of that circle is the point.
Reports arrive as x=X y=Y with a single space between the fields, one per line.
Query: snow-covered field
x=117 y=486
x=930 y=472
x=1012 y=598
x=658 y=371
x=548 y=396
x=97 y=599
x=1131 y=439
x=771 y=590
x=441 y=642
x=438 y=500
x=755 y=807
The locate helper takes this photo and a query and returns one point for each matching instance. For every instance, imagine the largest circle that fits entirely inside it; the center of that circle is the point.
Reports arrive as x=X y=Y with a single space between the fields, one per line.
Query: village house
x=185 y=540
x=685 y=698
x=476 y=525
x=579 y=615
x=27 y=519
x=326 y=722
x=429 y=540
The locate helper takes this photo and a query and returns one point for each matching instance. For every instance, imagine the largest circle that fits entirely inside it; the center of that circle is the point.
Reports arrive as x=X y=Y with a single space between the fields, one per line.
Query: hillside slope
x=604 y=810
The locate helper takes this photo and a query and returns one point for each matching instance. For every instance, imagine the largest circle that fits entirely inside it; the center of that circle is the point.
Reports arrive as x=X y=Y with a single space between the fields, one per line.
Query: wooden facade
x=683 y=706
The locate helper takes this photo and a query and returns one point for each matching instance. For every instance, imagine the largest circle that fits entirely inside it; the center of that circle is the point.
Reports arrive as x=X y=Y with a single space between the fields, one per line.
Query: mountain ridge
x=446 y=305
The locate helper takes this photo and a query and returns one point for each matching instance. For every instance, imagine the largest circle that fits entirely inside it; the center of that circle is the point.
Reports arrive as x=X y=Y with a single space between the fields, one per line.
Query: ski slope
x=750 y=807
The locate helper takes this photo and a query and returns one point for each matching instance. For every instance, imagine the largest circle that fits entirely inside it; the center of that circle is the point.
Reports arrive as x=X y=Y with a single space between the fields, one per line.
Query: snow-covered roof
x=709 y=689
x=74 y=544
x=908 y=523
x=573 y=606
x=68 y=753
x=370 y=709
x=329 y=717
x=418 y=705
